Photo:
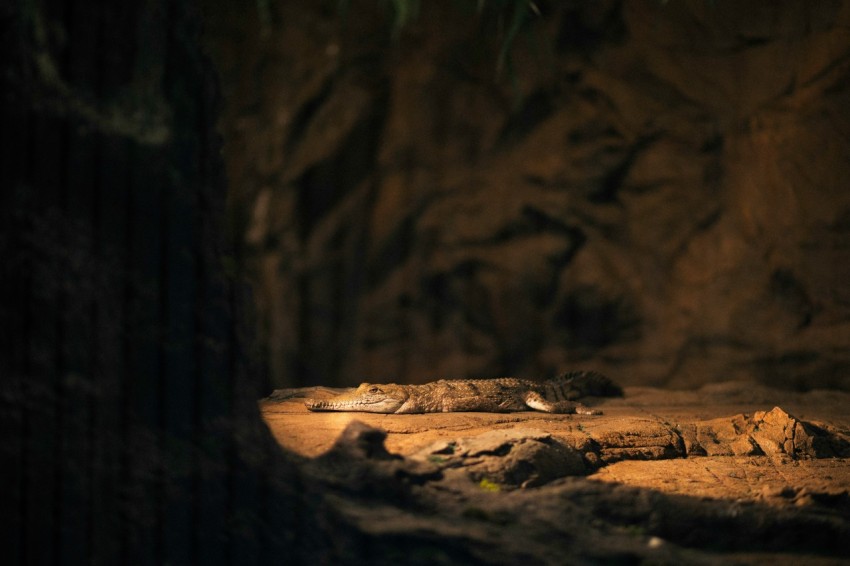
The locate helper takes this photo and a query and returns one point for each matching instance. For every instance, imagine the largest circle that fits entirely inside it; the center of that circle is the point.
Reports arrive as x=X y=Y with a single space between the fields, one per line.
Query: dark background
x=653 y=189
x=130 y=430
x=657 y=190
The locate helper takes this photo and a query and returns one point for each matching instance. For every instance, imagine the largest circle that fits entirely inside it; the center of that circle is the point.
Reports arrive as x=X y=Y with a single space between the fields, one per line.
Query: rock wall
x=129 y=429
x=653 y=189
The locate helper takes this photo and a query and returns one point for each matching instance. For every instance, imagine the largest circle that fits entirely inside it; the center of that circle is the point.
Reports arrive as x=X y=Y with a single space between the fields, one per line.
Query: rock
x=448 y=488
x=691 y=441
x=774 y=432
x=726 y=437
x=511 y=458
x=670 y=204
x=359 y=441
x=358 y=462
x=640 y=439
x=778 y=432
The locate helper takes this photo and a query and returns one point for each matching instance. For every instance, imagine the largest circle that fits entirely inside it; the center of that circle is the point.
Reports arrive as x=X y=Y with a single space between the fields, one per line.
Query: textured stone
x=640 y=439
x=677 y=428
x=516 y=457
x=441 y=487
x=667 y=199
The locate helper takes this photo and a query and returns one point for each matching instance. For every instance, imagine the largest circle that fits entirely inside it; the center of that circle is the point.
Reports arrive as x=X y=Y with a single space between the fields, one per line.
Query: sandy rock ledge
x=666 y=481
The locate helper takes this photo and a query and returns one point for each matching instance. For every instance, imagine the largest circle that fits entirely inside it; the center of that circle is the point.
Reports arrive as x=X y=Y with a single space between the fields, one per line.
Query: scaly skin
x=499 y=395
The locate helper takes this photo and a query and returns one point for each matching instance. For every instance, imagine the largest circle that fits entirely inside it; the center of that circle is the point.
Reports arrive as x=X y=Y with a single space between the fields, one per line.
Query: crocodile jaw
x=367 y=398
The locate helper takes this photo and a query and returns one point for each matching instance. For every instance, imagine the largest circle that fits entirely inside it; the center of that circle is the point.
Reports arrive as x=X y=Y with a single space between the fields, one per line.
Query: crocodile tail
x=587 y=383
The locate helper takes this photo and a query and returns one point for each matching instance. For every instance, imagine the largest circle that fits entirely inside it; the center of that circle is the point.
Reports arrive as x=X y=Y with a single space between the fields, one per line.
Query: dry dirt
x=731 y=472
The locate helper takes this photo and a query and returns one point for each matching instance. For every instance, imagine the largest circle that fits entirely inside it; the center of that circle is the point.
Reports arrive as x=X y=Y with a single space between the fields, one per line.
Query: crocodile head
x=371 y=398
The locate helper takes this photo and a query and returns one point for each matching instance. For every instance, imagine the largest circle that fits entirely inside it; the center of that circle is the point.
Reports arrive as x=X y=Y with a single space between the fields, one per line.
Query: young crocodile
x=500 y=395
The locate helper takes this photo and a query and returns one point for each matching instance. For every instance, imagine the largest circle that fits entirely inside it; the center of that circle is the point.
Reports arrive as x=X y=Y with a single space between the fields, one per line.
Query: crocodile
x=498 y=395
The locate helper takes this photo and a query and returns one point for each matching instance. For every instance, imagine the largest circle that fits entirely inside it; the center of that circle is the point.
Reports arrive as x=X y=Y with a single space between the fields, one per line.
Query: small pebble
x=655 y=542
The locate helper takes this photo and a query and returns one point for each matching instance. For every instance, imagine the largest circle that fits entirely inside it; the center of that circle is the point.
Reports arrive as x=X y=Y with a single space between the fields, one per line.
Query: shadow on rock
x=386 y=507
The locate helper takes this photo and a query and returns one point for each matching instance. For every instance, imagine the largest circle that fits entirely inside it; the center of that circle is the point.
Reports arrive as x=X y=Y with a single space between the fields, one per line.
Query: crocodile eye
x=374 y=389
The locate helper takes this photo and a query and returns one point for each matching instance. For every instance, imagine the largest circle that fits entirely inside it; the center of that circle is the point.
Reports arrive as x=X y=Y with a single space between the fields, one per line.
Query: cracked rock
x=508 y=458
x=777 y=432
x=649 y=441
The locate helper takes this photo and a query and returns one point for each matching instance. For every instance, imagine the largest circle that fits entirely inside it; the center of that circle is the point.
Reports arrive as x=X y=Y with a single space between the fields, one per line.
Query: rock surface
x=513 y=457
x=649 y=424
x=663 y=191
x=631 y=485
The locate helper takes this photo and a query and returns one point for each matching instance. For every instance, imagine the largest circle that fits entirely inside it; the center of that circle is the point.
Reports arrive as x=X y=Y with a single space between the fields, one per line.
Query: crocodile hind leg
x=537 y=402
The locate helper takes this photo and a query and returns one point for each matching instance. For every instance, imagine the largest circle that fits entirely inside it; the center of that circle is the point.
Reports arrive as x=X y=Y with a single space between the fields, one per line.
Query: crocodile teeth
x=319 y=405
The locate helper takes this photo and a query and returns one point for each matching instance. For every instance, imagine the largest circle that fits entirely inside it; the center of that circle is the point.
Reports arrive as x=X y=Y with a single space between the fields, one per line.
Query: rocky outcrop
x=530 y=449
x=386 y=508
x=521 y=457
x=662 y=193
x=669 y=477
x=517 y=457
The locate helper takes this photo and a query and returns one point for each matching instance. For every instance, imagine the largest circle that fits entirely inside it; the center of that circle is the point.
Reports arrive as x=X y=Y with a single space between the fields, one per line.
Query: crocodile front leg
x=536 y=401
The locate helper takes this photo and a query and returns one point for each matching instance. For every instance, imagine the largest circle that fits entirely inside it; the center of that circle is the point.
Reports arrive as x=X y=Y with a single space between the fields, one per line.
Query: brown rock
x=635 y=439
x=677 y=208
x=773 y=431
x=513 y=457
x=693 y=447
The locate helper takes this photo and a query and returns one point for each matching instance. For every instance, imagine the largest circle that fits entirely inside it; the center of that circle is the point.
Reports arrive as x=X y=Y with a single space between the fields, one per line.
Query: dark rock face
x=663 y=197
